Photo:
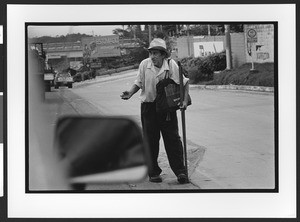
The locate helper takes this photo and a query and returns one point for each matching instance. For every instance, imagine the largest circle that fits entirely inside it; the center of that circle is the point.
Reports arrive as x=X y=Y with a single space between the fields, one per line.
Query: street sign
x=251 y=35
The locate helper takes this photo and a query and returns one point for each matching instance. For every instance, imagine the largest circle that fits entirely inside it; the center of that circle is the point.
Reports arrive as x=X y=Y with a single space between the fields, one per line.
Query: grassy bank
x=262 y=76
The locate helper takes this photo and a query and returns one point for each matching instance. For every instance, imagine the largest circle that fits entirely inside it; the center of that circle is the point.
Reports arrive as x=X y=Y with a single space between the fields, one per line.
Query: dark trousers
x=155 y=123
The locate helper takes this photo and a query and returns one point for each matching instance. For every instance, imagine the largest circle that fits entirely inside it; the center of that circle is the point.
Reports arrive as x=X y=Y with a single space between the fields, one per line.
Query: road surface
x=230 y=134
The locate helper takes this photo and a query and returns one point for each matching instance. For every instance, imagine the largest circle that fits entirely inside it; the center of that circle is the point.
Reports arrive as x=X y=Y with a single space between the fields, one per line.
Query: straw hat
x=159 y=44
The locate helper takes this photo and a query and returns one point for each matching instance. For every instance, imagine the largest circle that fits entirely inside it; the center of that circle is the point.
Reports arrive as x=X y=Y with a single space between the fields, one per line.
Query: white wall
x=207 y=48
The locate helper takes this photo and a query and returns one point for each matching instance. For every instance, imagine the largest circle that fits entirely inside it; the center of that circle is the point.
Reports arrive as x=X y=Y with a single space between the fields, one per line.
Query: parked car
x=63 y=79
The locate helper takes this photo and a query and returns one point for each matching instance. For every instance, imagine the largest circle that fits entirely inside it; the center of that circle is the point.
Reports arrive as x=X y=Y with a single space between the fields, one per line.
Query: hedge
x=202 y=68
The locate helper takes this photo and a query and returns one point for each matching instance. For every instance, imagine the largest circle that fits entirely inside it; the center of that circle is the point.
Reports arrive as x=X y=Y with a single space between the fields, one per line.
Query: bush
x=202 y=68
x=217 y=61
x=77 y=77
x=81 y=76
x=193 y=75
x=139 y=54
x=263 y=76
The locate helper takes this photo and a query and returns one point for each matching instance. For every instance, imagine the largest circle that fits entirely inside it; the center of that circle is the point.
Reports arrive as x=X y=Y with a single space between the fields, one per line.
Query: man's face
x=157 y=57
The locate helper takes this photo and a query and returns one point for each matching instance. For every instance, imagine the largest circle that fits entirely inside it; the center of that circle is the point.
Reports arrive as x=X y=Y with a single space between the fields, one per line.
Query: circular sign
x=251 y=33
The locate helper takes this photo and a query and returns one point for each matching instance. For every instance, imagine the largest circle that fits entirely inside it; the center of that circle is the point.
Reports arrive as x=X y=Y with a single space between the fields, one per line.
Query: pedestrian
x=150 y=72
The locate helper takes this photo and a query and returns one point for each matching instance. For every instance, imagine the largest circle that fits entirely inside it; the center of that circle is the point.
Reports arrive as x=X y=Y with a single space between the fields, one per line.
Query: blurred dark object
x=101 y=149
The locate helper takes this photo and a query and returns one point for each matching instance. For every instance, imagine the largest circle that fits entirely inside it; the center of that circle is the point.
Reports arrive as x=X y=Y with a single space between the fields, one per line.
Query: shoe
x=155 y=179
x=182 y=178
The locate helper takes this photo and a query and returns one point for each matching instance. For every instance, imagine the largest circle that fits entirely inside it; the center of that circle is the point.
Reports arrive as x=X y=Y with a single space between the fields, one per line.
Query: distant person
x=151 y=71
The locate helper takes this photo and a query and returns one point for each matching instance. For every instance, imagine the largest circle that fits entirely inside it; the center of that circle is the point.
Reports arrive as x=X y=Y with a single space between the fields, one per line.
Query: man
x=151 y=71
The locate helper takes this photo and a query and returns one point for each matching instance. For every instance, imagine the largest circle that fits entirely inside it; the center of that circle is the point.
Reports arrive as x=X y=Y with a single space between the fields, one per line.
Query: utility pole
x=188 y=40
x=150 y=37
x=228 y=47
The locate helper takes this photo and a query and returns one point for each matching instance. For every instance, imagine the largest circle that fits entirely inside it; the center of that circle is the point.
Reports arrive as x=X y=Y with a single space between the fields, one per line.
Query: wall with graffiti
x=256 y=45
x=259 y=42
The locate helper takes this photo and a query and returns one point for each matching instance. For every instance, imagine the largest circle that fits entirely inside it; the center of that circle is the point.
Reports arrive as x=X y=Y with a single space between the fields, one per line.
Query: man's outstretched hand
x=125 y=95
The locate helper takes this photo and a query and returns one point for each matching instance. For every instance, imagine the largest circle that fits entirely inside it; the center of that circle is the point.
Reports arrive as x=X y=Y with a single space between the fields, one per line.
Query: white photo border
x=158 y=205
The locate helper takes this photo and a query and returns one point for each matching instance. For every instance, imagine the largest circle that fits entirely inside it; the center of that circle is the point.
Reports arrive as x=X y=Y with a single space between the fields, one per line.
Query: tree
x=234 y=27
x=198 y=30
x=170 y=29
x=209 y=29
x=121 y=33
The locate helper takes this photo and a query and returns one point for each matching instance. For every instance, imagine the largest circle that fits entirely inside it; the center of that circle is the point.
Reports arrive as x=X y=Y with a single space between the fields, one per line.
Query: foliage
x=133 y=30
x=202 y=68
x=138 y=54
x=121 y=33
x=84 y=75
x=217 y=61
x=62 y=38
x=263 y=76
x=206 y=29
x=198 y=30
x=234 y=27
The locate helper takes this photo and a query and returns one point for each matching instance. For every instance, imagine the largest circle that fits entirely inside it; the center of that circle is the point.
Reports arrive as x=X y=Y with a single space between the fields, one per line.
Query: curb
x=235 y=87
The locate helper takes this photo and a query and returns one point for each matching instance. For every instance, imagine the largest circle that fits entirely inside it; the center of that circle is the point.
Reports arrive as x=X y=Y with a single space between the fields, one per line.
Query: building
x=255 y=44
x=63 y=55
x=64 y=52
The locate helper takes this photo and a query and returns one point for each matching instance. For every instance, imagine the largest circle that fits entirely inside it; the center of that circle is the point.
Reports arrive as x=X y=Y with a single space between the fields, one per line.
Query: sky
x=38 y=31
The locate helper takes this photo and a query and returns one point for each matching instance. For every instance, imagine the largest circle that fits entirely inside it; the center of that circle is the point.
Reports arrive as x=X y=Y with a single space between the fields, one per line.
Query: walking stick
x=183 y=119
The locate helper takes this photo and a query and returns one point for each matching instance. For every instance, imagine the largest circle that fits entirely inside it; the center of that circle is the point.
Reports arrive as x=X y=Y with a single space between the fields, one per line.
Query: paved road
x=230 y=134
x=231 y=131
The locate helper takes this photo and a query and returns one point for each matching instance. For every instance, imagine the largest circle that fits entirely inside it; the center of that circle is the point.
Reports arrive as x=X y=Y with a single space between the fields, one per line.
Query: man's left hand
x=184 y=105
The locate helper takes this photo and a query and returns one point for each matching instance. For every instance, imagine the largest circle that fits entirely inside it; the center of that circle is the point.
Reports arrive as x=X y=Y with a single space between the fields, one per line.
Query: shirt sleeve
x=174 y=71
x=138 y=81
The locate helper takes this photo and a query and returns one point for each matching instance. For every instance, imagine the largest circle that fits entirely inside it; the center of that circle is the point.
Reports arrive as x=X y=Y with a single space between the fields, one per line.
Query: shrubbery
x=263 y=75
x=139 y=54
x=202 y=68
x=84 y=75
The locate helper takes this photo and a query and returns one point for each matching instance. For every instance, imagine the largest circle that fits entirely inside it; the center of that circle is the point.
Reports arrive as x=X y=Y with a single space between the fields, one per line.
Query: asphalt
x=198 y=180
x=195 y=152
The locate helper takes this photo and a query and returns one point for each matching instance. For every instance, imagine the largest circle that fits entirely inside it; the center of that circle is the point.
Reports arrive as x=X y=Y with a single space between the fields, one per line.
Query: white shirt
x=148 y=77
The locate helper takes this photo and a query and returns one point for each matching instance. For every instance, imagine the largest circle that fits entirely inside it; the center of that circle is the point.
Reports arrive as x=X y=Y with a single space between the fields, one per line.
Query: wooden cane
x=183 y=118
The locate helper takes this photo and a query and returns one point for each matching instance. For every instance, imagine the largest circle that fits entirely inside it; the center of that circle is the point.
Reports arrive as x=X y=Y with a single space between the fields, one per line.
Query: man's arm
x=128 y=94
